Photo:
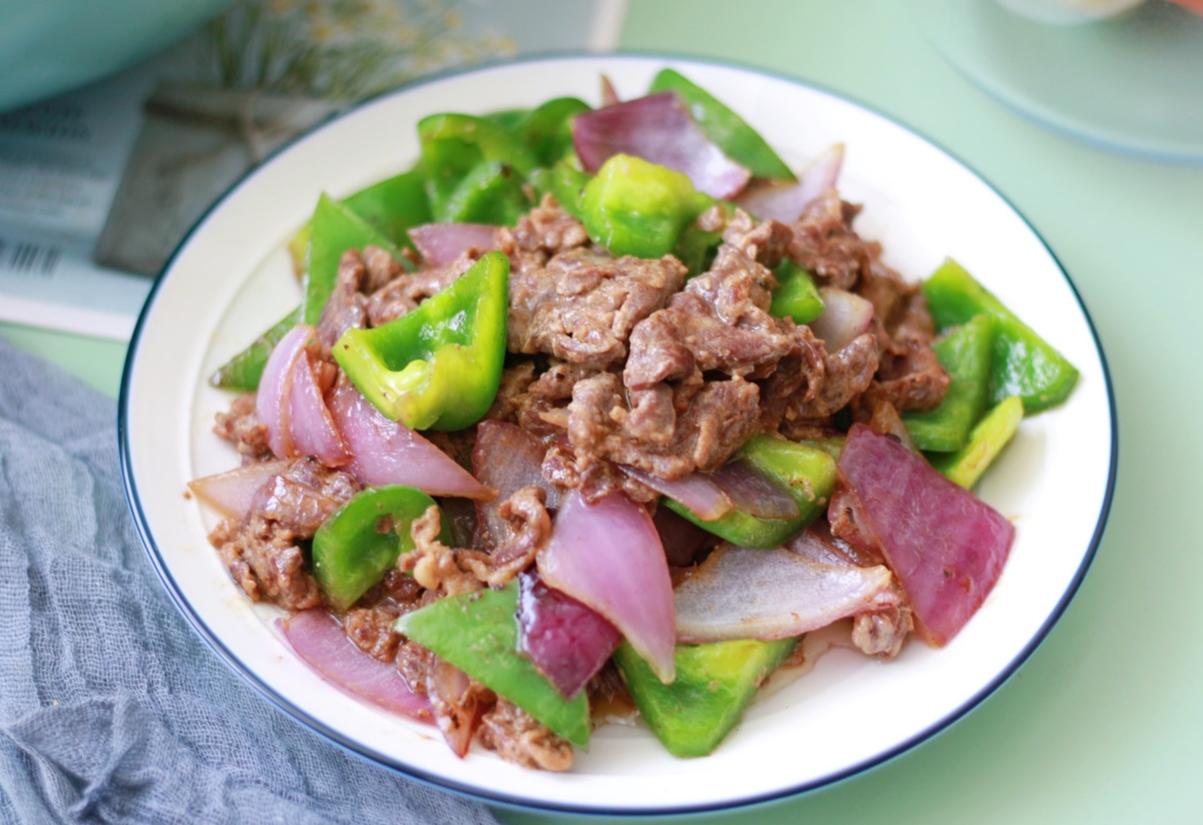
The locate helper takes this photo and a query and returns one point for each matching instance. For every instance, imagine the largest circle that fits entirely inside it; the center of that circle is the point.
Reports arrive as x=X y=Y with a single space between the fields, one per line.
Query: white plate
x=1129 y=83
x=230 y=280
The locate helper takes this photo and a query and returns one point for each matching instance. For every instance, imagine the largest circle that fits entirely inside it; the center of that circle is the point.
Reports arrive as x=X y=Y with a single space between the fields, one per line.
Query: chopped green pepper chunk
x=243 y=371
x=965 y=354
x=806 y=472
x=797 y=296
x=729 y=131
x=714 y=683
x=478 y=633
x=490 y=192
x=565 y=181
x=438 y=366
x=965 y=466
x=1023 y=363
x=633 y=207
x=453 y=145
x=547 y=130
x=335 y=229
x=354 y=547
x=393 y=206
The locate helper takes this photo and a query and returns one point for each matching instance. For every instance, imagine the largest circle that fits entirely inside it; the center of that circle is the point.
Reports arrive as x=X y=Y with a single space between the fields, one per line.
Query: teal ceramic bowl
x=50 y=46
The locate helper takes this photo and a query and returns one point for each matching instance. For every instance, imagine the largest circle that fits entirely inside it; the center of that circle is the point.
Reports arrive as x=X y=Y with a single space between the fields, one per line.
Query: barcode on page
x=29 y=258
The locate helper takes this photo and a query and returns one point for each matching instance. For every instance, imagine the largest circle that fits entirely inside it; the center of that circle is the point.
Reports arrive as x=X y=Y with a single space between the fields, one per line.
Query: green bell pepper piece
x=489 y=193
x=965 y=466
x=478 y=633
x=354 y=547
x=565 y=181
x=438 y=366
x=392 y=205
x=807 y=473
x=508 y=119
x=796 y=296
x=242 y=372
x=453 y=145
x=335 y=229
x=714 y=683
x=729 y=131
x=633 y=207
x=1023 y=363
x=965 y=354
x=547 y=130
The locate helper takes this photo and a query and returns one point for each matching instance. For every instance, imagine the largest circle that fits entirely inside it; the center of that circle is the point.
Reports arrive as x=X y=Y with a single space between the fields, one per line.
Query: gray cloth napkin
x=111 y=708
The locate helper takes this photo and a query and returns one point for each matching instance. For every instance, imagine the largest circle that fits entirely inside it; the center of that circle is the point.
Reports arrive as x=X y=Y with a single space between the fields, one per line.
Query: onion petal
x=786 y=200
x=231 y=492
x=608 y=555
x=846 y=315
x=506 y=458
x=388 y=452
x=697 y=491
x=310 y=426
x=566 y=640
x=275 y=386
x=740 y=593
x=947 y=553
x=444 y=243
x=659 y=129
x=319 y=640
x=749 y=490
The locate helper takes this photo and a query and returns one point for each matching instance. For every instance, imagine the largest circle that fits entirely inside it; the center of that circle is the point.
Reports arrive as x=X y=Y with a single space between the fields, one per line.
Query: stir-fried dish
x=596 y=409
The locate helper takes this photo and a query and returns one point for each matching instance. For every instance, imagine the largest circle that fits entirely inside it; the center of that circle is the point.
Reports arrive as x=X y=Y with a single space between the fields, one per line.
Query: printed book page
x=98 y=186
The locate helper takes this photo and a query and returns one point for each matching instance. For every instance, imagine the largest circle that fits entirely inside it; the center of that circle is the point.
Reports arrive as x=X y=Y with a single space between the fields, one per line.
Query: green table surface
x=1104 y=724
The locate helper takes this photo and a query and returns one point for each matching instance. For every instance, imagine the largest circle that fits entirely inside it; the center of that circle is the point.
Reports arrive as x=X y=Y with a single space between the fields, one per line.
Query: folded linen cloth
x=111 y=708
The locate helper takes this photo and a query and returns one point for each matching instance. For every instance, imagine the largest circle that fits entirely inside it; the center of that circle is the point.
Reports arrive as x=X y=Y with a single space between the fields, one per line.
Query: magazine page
x=98 y=186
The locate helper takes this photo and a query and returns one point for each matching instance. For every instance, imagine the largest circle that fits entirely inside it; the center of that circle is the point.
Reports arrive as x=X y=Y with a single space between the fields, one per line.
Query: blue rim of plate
x=525 y=804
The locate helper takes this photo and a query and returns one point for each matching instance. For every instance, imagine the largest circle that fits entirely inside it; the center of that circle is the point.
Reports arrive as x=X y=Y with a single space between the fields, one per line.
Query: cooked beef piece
x=582 y=304
x=346 y=307
x=434 y=565
x=546 y=229
x=242 y=428
x=720 y=322
x=380 y=268
x=542 y=409
x=798 y=379
x=824 y=245
x=881 y=632
x=408 y=289
x=719 y=419
x=371 y=628
x=528 y=527
x=414 y=663
x=515 y=381
x=766 y=242
x=518 y=737
x=884 y=419
x=595 y=481
x=846 y=374
x=262 y=551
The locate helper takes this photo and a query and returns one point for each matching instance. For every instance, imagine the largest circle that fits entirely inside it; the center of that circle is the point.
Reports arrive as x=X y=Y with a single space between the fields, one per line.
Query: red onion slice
x=947 y=553
x=750 y=491
x=786 y=200
x=659 y=129
x=310 y=426
x=608 y=555
x=739 y=593
x=566 y=640
x=697 y=491
x=318 y=639
x=388 y=452
x=846 y=315
x=275 y=385
x=444 y=243
x=231 y=492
